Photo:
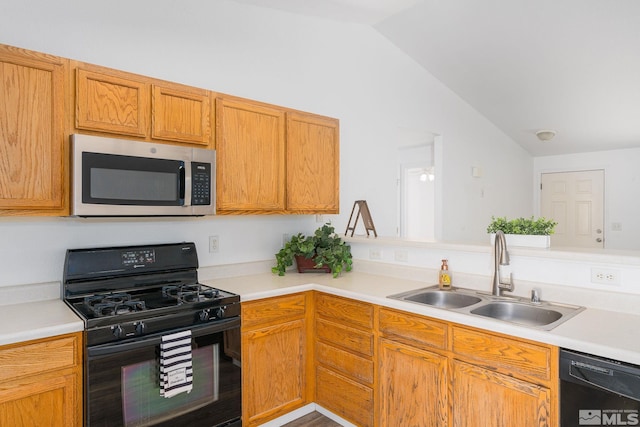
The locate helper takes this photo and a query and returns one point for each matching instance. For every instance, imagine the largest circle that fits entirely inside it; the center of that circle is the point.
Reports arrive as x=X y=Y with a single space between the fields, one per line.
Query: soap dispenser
x=444 y=278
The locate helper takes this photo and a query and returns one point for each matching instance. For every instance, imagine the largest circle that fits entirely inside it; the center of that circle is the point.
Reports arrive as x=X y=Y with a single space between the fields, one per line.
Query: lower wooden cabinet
x=344 y=396
x=434 y=373
x=345 y=352
x=484 y=398
x=413 y=386
x=41 y=382
x=382 y=367
x=274 y=357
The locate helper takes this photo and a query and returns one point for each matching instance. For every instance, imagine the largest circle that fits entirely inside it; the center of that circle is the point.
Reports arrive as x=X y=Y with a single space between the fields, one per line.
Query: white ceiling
x=568 y=65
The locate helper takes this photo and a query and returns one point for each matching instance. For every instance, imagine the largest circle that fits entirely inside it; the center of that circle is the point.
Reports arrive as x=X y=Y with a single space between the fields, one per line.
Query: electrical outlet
x=375 y=254
x=402 y=256
x=605 y=276
x=214 y=244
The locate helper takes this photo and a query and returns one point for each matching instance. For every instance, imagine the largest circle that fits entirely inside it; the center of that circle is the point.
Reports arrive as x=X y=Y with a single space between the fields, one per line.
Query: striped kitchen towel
x=176 y=366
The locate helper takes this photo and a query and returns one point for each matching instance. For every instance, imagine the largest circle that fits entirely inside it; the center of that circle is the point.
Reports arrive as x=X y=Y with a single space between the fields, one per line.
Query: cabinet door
x=485 y=398
x=312 y=163
x=32 y=143
x=412 y=385
x=112 y=102
x=49 y=401
x=250 y=148
x=41 y=382
x=273 y=371
x=182 y=114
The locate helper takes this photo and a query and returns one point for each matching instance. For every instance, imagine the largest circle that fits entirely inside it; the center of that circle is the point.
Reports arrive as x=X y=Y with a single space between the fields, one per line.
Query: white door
x=575 y=200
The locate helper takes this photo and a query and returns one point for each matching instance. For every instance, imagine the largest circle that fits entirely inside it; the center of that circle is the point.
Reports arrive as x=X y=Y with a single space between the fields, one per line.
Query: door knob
x=599 y=240
x=599 y=231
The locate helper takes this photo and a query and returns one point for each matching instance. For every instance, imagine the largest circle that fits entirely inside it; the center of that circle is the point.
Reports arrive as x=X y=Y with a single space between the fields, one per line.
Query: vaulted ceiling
x=572 y=66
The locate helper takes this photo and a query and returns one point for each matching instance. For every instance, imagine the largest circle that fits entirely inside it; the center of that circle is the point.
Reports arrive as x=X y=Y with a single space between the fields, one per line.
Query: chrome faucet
x=500 y=257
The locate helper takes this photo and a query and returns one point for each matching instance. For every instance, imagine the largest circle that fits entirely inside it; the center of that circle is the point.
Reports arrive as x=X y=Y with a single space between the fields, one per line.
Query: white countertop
x=600 y=332
x=604 y=333
x=39 y=319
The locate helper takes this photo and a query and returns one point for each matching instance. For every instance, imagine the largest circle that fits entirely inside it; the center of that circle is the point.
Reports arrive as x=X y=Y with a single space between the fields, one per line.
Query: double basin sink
x=539 y=315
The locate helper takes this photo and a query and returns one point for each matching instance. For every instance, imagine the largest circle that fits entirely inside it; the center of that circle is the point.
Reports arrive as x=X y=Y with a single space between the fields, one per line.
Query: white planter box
x=525 y=240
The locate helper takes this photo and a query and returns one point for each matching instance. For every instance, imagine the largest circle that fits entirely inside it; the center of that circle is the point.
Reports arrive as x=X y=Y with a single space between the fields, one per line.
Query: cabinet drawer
x=518 y=358
x=349 y=364
x=345 y=310
x=416 y=329
x=345 y=337
x=277 y=309
x=36 y=357
x=343 y=396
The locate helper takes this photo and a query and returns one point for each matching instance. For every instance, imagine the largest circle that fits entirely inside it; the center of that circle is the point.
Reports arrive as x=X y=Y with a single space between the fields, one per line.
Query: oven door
x=122 y=381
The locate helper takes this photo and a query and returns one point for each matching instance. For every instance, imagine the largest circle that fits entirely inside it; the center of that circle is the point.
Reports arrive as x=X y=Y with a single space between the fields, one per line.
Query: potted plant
x=323 y=251
x=524 y=231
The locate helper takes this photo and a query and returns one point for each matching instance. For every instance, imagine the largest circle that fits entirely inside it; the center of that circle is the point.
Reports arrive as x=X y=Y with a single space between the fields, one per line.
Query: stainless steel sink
x=443 y=299
x=522 y=314
x=521 y=311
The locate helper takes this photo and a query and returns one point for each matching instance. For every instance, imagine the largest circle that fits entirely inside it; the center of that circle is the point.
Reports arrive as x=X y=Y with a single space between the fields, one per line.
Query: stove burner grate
x=103 y=305
x=189 y=293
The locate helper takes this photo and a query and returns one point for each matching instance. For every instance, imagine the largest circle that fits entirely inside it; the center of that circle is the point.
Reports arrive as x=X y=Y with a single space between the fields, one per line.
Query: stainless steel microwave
x=115 y=177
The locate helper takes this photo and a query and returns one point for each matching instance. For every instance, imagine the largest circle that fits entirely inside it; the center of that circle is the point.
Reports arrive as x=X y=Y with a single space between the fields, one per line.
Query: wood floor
x=314 y=419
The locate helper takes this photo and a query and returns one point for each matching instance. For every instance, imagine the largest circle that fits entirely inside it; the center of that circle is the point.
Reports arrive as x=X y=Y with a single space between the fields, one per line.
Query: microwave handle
x=183 y=184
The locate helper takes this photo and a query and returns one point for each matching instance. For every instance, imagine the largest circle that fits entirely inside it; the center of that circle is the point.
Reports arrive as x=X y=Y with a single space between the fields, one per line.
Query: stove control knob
x=220 y=312
x=140 y=328
x=204 y=315
x=117 y=331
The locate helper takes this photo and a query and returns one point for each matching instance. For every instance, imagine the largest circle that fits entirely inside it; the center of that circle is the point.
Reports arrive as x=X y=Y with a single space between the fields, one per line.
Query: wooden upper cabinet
x=115 y=102
x=181 y=114
x=112 y=102
x=250 y=151
x=313 y=144
x=32 y=142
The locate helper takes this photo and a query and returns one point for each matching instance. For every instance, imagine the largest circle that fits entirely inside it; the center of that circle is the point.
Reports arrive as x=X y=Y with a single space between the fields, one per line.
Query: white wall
x=342 y=70
x=621 y=189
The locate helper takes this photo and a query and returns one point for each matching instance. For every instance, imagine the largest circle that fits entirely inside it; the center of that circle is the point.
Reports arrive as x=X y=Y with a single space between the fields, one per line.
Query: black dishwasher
x=595 y=391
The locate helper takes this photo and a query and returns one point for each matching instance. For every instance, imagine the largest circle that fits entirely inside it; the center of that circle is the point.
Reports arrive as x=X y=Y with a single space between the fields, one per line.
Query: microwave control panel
x=200 y=183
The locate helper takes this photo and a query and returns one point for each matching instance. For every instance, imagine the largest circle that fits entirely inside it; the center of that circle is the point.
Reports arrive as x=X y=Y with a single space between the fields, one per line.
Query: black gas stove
x=143 y=309
x=133 y=291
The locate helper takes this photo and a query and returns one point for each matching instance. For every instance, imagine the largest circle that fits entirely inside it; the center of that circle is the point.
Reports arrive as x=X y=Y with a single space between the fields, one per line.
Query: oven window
x=116 y=184
x=129 y=180
x=123 y=386
x=142 y=404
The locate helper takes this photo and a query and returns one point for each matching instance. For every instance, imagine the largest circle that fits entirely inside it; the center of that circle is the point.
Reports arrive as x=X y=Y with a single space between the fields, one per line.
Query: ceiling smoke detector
x=545 y=135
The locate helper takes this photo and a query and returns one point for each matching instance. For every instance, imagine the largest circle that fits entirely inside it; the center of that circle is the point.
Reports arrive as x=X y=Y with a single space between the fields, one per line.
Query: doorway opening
x=417 y=182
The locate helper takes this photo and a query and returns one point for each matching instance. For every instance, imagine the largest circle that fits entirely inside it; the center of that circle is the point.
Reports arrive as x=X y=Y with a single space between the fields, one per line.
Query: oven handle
x=155 y=339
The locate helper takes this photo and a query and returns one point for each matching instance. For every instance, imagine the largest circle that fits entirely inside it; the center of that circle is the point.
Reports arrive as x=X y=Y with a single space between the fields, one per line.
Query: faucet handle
x=508 y=285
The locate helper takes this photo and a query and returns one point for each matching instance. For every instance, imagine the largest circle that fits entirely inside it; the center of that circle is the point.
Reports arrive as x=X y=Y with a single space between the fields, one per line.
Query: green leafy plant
x=325 y=247
x=531 y=226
